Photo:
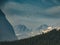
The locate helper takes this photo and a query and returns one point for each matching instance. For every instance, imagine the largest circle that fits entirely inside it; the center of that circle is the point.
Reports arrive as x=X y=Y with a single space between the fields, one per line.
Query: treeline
x=50 y=38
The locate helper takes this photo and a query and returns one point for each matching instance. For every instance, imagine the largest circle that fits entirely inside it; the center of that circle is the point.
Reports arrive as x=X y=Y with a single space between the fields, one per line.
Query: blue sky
x=33 y=12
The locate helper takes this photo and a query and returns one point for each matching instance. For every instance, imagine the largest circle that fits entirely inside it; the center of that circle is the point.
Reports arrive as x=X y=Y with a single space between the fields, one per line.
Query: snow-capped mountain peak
x=42 y=27
x=22 y=28
x=47 y=30
x=50 y=29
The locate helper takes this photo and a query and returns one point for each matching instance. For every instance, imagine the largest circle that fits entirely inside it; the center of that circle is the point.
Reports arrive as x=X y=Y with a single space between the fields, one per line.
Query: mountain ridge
x=23 y=31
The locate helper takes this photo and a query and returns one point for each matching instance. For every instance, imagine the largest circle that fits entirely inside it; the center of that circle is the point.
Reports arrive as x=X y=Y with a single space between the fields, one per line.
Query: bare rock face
x=6 y=30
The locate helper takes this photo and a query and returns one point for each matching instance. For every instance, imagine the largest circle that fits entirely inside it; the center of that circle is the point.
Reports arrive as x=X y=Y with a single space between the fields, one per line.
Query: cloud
x=53 y=12
x=29 y=10
x=27 y=13
x=55 y=9
x=41 y=3
x=22 y=9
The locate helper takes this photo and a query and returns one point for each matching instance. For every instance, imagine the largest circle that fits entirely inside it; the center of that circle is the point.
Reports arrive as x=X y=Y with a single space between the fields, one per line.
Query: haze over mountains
x=22 y=31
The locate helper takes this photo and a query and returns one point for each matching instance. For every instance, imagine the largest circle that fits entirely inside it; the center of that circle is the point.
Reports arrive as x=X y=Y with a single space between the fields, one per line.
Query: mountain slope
x=6 y=30
x=21 y=28
x=22 y=31
x=42 y=27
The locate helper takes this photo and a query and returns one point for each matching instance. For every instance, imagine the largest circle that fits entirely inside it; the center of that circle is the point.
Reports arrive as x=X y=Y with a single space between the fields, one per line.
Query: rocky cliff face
x=6 y=30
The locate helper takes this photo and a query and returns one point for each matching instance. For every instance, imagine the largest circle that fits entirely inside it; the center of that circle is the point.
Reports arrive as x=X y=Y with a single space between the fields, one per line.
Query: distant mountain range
x=23 y=31
x=42 y=27
x=22 y=28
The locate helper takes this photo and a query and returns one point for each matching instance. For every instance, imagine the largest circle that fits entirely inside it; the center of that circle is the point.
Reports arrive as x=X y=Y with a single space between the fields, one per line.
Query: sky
x=32 y=13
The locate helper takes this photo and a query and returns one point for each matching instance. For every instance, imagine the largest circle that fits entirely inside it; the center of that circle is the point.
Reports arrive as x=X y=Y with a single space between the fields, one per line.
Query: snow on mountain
x=47 y=30
x=38 y=30
x=22 y=31
x=50 y=29
x=6 y=30
x=42 y=27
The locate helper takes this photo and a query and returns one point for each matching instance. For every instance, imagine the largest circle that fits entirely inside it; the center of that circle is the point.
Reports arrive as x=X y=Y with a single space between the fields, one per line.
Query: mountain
x=22 y=28
x=6 y=30
x=22 y=31
x=50 y=38
x=42 y=27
